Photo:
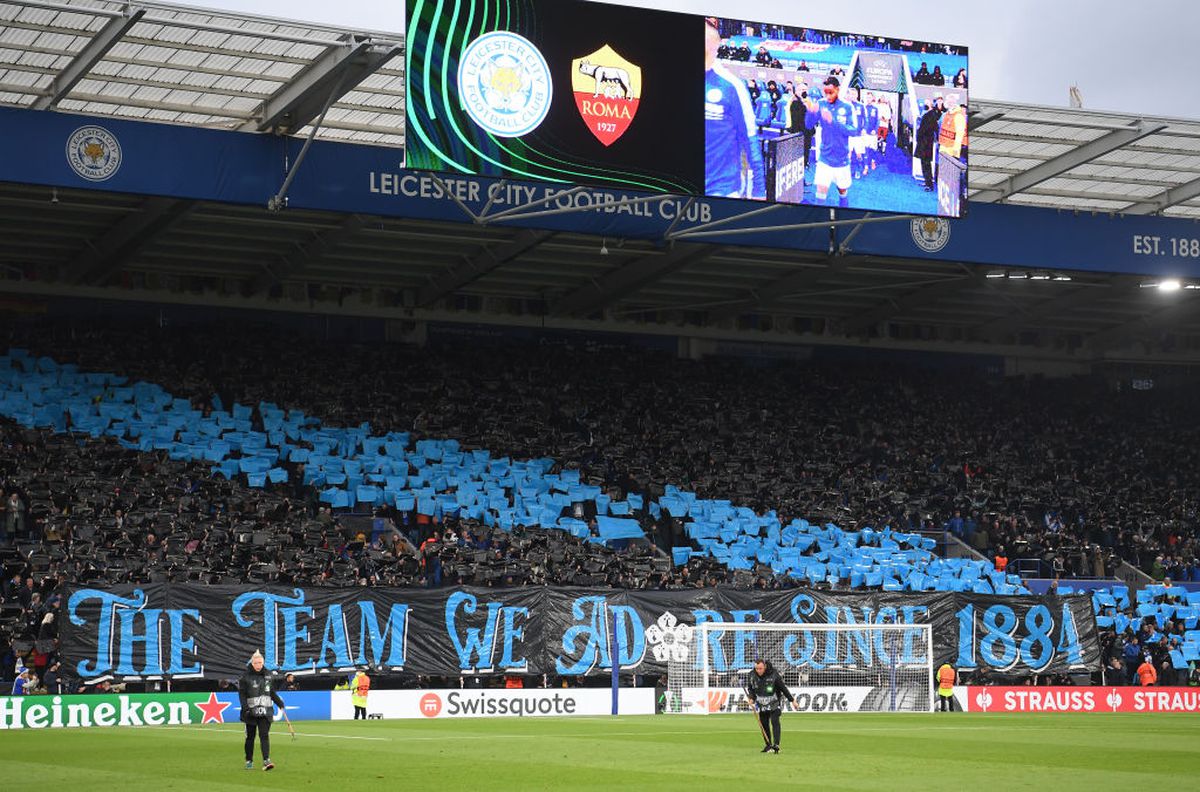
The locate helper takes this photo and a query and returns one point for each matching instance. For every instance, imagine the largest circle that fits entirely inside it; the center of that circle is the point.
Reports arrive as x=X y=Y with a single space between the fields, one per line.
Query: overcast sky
x=1134 y=56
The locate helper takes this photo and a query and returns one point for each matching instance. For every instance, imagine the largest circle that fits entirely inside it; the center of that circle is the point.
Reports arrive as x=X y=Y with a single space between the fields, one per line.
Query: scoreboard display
x=628 y=98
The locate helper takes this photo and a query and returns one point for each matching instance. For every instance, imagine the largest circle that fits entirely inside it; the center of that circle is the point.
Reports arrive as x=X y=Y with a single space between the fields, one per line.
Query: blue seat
x=762 y=111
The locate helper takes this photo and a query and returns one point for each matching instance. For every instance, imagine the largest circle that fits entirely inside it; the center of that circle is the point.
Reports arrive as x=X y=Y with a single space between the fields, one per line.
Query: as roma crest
x=607 y=91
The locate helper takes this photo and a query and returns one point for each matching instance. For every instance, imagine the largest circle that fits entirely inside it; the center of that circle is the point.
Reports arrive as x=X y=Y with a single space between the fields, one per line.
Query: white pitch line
x=210 y=730
x=458 y=738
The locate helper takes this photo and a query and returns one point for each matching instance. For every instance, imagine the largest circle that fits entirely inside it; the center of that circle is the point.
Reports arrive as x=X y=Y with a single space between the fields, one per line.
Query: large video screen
x=629 y=98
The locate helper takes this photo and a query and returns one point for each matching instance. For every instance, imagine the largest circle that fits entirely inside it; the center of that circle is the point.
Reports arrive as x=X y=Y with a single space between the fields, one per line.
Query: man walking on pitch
x=256 y=689
x=767 y=692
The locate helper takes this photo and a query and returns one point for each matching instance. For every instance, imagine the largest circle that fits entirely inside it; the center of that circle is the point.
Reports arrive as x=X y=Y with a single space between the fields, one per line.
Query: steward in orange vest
x=945 y=678
x=358 y=694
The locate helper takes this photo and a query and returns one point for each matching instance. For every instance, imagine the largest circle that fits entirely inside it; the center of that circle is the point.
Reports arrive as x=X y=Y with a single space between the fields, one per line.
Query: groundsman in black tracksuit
x=256 y=689
x=767 y=693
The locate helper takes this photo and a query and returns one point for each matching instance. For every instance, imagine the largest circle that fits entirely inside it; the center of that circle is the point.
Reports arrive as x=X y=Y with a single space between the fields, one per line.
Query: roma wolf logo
x=606 y=76
x=608 y=90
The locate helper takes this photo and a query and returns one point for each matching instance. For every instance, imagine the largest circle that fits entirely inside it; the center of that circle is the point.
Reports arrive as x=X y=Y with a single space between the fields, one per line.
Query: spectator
x=1115 y=673
x=14 y=518
x=51 y=681
x=24 y=683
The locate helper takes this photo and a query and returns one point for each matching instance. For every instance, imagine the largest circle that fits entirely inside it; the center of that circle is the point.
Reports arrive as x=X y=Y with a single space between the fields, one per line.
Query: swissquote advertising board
x=497 y=703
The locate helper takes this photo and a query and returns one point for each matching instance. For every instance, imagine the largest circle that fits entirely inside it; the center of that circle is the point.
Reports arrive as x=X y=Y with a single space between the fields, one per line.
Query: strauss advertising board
x=1078 y=699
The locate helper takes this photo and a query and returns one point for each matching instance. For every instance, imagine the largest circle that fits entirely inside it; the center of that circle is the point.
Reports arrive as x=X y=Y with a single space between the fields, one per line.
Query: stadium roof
x=190 y=66
x=1077 y=159
x=182 y=65
x=193 y=66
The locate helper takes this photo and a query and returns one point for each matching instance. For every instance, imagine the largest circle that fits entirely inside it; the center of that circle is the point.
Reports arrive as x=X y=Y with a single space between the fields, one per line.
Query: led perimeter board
x=636 y=99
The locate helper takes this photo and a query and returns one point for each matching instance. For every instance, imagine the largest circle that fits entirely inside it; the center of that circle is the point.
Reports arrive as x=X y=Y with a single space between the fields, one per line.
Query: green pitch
x=1049 y=753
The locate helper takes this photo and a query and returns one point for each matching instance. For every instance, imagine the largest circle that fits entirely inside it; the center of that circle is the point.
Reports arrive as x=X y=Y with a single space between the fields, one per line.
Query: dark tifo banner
x=211 y=631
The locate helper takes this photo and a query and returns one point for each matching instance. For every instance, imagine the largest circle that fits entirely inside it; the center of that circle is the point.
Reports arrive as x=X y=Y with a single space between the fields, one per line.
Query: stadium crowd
x=1071 y=475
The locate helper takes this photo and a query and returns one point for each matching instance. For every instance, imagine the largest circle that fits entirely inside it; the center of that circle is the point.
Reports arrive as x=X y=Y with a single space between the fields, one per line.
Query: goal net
x=827 y=667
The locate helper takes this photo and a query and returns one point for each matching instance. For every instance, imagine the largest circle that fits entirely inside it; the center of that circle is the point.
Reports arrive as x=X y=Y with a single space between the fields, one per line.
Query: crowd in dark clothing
x=1071 y=473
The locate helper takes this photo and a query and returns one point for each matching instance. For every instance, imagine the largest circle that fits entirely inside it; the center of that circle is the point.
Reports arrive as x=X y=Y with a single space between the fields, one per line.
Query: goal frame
x=705 y=630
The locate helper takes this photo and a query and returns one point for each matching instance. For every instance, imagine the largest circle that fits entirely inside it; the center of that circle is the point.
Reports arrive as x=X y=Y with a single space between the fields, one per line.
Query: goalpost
x=827 y=667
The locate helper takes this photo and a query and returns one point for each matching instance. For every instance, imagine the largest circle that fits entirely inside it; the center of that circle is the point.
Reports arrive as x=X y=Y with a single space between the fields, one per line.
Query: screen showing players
x=629 y=98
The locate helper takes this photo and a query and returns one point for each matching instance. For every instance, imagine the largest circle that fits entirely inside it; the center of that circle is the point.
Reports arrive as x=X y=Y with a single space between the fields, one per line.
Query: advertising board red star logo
x=213 y=709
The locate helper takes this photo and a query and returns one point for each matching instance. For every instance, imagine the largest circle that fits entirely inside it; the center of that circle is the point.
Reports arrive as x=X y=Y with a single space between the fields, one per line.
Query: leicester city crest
x=94 y=153
x=504 y=84
x=930 y=234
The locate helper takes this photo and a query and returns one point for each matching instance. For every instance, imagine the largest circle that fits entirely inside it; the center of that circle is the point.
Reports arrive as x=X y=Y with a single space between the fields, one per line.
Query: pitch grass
x=1050 y=753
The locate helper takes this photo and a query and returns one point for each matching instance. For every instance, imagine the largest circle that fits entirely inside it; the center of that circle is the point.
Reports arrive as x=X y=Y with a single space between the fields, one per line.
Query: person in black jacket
x=927 y=137
x=256 y=690
x=767 y=691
